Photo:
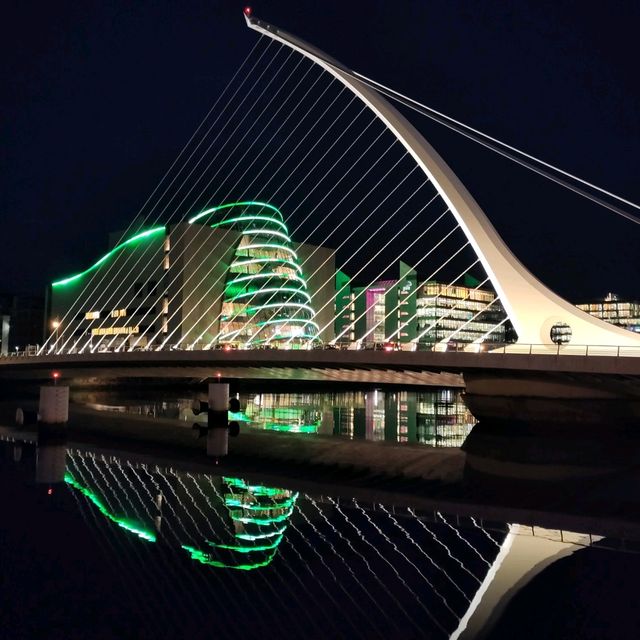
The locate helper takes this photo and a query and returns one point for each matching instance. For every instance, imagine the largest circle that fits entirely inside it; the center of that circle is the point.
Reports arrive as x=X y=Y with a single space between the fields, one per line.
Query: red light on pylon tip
x=218 y=375
x=55 y=375
x=49 y=491
x=247 y=11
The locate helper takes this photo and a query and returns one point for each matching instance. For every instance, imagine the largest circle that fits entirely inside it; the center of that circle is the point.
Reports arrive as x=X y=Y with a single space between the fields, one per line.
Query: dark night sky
x=98 y=98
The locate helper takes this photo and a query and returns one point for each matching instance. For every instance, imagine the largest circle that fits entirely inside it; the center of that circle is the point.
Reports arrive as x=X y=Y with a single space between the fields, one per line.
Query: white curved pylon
x=532 y=308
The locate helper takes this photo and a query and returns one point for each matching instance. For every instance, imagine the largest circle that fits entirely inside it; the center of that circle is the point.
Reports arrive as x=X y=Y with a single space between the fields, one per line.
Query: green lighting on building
x=140 y=236
x=256 y=292
x=249 y=203
x=125 y=523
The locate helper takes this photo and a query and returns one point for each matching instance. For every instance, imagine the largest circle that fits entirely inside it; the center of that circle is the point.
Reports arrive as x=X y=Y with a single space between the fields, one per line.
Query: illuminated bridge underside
x=532 y=308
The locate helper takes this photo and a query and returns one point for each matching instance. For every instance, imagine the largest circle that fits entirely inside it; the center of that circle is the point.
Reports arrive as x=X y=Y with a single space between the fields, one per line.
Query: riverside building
x=613 y=309
x=418 y=315
x=230 y=275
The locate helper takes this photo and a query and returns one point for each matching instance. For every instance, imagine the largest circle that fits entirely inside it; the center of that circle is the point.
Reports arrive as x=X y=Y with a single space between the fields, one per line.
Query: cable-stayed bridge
x=306 y=211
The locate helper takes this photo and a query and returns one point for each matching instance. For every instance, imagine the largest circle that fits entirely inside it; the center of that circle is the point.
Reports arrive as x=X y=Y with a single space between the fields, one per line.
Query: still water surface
x=435 y=417
x=106 y=546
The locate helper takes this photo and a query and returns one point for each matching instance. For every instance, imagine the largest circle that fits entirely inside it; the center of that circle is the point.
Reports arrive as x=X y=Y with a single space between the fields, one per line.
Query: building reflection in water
x=195 y=550
x=436 y=417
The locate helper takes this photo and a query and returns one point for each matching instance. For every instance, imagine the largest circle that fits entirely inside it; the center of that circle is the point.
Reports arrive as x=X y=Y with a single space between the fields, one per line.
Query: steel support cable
x=189 y=575
x=451 y=284
x=436 y=539
x=126 y=232
x=364 y=290
x=218 y=152
x=101 y=528
x=429 y=558
x=457 y=532
x=456 y=306
x=213 y=285
x=308 y=194
x=442 y=266
x=180 y=481
x=489 y=142
x=411 y=244
x=326 y=195
x=482 y=338
x=266 y=164
x=418 y=601
x=255 y=159
x=363 y=558
x=346 y=565
x=238 y=606
x=348 y=618
x=326 y=217
x=292 y=593
x=215 y=320
x=343 y=220
x=184 y=232
x=199 y=230
x=146 y=249
x=470 y=320
x=258 y=591
x=179 y=521
x=378 y=230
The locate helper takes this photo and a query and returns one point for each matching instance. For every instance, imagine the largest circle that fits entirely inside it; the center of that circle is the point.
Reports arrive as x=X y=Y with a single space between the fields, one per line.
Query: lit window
x=92 y=315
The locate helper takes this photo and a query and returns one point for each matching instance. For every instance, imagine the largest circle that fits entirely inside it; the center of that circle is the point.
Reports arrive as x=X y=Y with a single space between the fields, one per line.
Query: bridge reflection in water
x=198 y=549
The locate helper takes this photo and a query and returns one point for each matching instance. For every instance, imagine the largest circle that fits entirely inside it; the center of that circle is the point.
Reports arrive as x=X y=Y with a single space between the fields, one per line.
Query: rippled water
x=109 y=546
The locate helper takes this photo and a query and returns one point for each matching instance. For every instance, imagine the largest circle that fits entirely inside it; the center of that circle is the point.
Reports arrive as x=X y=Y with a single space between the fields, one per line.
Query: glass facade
x=420 y=315
x=266 y=301
x=622 y=313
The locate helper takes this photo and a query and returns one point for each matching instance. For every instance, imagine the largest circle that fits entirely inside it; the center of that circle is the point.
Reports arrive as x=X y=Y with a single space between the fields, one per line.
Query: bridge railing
x=505 y=349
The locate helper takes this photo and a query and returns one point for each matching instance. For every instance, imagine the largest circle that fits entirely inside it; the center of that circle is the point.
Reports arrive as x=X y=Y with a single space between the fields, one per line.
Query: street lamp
x=55 y=324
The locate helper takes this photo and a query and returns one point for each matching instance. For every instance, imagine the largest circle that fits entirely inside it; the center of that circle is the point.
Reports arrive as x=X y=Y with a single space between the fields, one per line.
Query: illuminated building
x=407 y=312
x=622 y=313
x=231 y=274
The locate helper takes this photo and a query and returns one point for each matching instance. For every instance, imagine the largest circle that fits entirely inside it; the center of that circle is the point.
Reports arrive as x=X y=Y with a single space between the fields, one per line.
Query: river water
x=99 y=543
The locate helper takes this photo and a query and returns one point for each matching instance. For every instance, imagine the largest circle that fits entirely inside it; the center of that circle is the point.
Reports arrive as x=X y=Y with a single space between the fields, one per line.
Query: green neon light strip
x=282 y=225
x=240 y=549
x=243 y=263
x=250 y=203
x=247 y=519
x=270 y=290
x=273 y=305
x=260 y=536
x=268 y=245
x=286 y=320
x=292 y=428
x=121 y=522
x=236 y=502
x=139 y=236
x=272 y=274
x=255 y=232
x=205 y=558
x=256 y=489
